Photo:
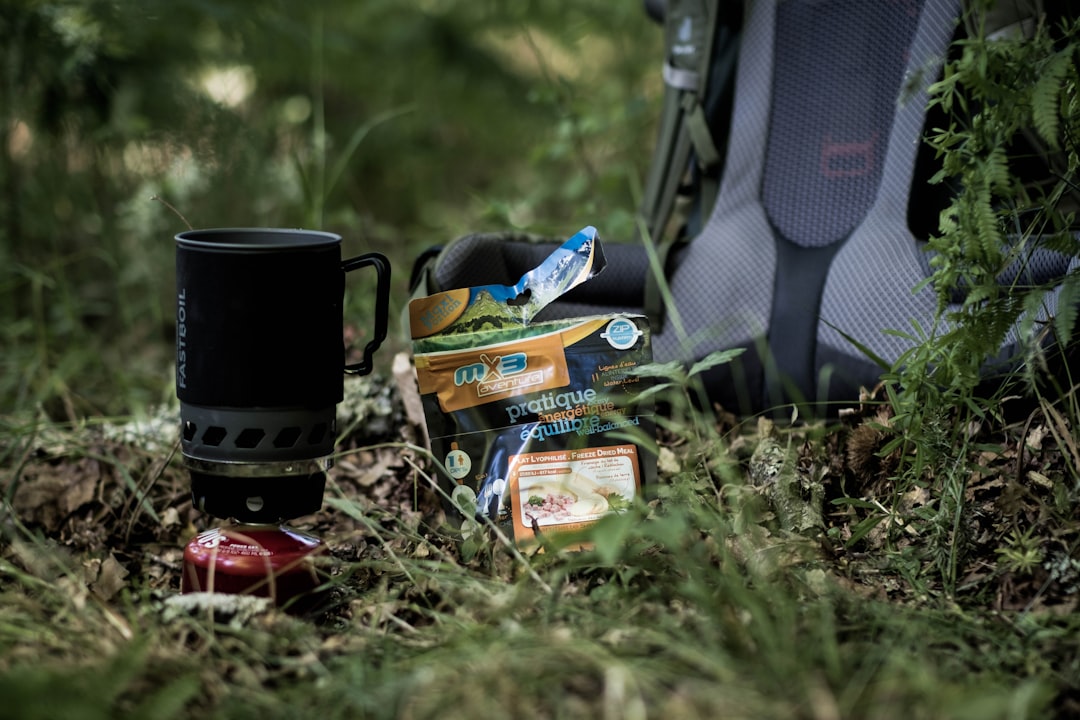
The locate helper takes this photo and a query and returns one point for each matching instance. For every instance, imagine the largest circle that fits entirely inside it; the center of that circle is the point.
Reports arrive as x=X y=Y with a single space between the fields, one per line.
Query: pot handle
x=382 y=306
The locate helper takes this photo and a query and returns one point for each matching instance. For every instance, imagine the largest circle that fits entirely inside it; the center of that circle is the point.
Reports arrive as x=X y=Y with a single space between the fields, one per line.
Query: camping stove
x=269 y=467
x=260 y=363
x=259 y=465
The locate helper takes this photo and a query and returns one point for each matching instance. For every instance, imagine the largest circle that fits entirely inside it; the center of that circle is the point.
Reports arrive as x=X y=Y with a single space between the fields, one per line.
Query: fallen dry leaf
x=111 y=578
x=49 y=494
x=1035 y=437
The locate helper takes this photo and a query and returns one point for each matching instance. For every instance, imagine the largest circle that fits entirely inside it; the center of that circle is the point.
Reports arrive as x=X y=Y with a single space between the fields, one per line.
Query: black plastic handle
x=382 y=306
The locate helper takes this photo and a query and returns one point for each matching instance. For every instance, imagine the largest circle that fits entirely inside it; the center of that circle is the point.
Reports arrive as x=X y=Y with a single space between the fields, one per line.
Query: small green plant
x=1012 y=103
x=679 y=387
x=1022 y=552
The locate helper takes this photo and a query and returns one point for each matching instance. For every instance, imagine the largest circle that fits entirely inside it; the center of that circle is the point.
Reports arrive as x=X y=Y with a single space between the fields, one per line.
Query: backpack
x=791 y=131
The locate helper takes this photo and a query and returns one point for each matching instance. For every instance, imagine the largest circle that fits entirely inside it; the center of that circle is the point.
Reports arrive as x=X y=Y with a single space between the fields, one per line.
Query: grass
x=695 y=605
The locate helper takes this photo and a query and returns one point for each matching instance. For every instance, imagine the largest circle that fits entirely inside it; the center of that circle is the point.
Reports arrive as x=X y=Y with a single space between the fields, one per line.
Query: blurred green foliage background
x=397 y=123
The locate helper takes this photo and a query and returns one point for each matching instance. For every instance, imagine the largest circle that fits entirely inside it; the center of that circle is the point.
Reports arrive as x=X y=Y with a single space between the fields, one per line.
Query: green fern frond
x=1064 y=242
x=1065 y=317
x=987 y=229
x=990 y=237
x=950 y=217
x=979 y=294
x=1045 y=104
x=995 y=169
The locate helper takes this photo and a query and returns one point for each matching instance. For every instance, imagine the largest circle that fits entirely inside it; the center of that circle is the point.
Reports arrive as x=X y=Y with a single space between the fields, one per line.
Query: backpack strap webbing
x=690 y=30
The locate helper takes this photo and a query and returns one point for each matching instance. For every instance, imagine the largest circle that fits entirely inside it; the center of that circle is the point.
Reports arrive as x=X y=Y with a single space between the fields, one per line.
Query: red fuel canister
x=271 y=561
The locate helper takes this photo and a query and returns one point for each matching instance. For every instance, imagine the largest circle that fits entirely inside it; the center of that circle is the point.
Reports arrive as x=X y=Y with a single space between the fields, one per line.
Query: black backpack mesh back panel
x=869 y=285
x=836 y=79
x=822 y=99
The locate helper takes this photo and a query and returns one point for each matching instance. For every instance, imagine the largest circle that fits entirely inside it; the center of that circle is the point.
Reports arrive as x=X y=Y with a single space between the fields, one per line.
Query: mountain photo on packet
x=538 y=424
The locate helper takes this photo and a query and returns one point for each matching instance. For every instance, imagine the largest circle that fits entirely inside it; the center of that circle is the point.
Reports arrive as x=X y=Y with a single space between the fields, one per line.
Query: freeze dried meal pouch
x=538 y=424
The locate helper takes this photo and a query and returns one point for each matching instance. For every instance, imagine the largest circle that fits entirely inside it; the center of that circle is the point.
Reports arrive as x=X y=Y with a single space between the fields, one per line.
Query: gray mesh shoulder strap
x=691 y=31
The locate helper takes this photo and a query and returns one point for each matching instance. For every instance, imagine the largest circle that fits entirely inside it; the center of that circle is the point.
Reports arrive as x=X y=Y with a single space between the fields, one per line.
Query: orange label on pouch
x=465 y=378
x=430 y=315
x=566 y=490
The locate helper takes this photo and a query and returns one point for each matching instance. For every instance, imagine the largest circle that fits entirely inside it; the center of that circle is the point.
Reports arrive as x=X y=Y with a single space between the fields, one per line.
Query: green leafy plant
x=1009 y=149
